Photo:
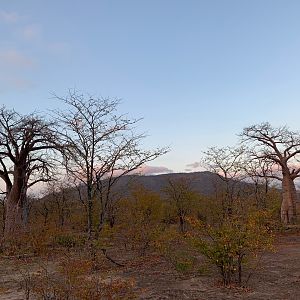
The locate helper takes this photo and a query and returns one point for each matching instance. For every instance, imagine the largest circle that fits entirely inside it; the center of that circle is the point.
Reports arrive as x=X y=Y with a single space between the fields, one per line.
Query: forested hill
x=204 y=183
x=201 y=182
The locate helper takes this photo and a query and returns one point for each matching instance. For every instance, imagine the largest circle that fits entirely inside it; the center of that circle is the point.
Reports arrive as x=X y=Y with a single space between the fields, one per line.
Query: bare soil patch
x=277 y=277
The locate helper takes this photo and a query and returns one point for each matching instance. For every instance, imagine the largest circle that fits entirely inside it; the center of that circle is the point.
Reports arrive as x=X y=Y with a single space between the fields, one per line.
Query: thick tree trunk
x=289 y=197
x=16 y=217
x=17 y=209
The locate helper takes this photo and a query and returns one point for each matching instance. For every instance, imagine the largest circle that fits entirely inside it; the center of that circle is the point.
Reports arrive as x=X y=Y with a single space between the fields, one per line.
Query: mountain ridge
x=202 y=182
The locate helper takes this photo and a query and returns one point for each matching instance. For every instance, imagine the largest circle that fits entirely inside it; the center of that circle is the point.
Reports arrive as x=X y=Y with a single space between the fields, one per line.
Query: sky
x=196 y=71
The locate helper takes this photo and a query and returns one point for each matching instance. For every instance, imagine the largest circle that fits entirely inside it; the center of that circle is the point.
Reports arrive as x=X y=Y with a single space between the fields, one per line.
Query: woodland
x=70 y=230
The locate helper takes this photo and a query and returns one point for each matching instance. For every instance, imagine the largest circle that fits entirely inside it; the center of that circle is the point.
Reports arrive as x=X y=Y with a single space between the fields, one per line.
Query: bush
x=173 y=246
x=74 y=280
x=184 y=264
x=141 y=219
x=229 y=245
x=68 y=240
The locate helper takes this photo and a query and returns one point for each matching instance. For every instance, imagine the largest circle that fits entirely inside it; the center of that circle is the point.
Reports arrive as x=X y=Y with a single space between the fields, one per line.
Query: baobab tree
x=280 y=146
x=26 y=142
x=101 y=148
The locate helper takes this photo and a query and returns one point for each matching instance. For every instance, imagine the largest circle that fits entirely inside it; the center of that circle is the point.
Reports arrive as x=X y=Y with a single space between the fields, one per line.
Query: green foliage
x=182 y=201
x=184 y=265
x=140 y=219
x=229 y=245
x=173 y=246
x=68 y=240
x=106 y=238
x=203 y=270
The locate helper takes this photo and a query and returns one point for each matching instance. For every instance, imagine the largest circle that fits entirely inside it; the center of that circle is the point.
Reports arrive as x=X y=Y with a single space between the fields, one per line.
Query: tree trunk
x=16 y=213
x=104 y=202
x=17 y=208
x=90 y=218
x=289 y=197
x=181 y=223
x=89 y=210
x=3 y=216
x=101 y=221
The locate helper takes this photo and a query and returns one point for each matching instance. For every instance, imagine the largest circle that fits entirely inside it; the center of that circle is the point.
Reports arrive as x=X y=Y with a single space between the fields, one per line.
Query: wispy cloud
x=13 y=58
x=9 y=17
x=152 y=170
x=31 y=32
x=195 y=166
x=13 y=64
x=14 y=83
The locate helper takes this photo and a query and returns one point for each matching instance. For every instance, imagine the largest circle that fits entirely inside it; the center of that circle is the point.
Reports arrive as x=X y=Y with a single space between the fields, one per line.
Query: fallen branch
x=104 y=251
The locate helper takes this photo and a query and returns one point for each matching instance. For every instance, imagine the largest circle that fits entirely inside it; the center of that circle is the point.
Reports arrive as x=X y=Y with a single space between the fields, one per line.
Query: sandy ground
x=277 y=277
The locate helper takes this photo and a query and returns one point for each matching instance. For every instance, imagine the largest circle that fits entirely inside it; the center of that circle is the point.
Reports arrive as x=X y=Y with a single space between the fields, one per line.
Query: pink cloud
x=9 y=17
x=31 y=32
x=147 y=170
x=14 y=58
x=152 y=170
x=196 y=166
x=11 y=63
x=14 y=82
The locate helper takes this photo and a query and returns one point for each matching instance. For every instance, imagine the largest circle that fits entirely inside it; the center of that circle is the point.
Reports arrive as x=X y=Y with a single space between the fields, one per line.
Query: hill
x=201 y=182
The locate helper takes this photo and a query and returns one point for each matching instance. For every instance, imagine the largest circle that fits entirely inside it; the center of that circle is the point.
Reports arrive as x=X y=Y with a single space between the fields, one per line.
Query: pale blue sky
x=197 y=71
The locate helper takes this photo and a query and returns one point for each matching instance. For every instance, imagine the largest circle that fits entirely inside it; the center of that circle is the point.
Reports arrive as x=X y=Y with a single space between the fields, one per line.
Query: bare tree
x=102 y=147
x=259 y=171
x=57 y=200
x=280 y=146
x=227 y=163
x=43 y=208
x=25 y=145
x=180 y=194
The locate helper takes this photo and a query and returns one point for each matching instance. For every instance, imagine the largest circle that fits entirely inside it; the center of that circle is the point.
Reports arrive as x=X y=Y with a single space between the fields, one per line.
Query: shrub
x=229 y=245
x=68 y=240
x=141 y=219
x=74 y=280
x=173 y=246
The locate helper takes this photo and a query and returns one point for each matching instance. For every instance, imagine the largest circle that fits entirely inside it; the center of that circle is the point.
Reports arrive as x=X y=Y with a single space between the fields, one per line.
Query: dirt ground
x=277 y=277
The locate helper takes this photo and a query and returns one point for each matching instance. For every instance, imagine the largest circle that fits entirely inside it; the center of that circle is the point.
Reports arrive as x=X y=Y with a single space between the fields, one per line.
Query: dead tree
x=101 y=148
x=280 y=146
x=26 y=143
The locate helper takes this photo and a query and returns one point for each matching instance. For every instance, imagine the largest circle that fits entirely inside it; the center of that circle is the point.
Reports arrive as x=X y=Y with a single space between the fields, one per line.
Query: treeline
x=178 y=223
x=81 y=152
